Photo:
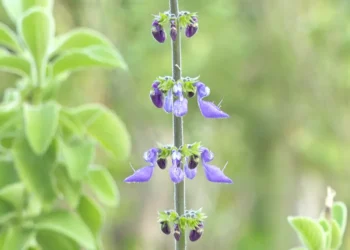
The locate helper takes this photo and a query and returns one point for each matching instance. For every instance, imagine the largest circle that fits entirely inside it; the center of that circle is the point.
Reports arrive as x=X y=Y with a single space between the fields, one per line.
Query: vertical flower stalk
x=179 y=188
x=170 y=93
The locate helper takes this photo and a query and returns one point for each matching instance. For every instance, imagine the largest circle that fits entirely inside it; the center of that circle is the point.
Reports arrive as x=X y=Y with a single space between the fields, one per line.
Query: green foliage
x=69 y=225
x=340 y=214
x=327 y=233
x=102 y=184
x=47 y=150
x=310 y=232
x=40 y=125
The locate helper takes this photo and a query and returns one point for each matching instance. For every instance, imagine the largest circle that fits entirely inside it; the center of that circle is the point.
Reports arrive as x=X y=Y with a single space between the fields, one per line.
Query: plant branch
x=179 y=189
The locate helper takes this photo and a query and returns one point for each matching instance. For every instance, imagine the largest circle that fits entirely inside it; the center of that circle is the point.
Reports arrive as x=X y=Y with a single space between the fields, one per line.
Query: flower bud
x=193 y=162
x=173 y=30
x=197 y=233
x=158 y=31
x=177 y=232
x=164 y=226
x=156 y=95
x=161 y=163
x=190 y=94
x=192 y=27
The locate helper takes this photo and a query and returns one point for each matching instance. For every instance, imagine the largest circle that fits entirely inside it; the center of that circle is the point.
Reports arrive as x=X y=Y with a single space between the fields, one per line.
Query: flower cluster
x=185 y=19
x=192 y=219
x=187 y=156
x=165 y=90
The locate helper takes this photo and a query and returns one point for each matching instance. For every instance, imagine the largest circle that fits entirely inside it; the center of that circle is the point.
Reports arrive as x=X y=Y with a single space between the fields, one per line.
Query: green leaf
x=55 y=241
x=68 y=224
x=7 y=211
x=96 y=56
x=103 y=185
x=336 y=236
x=309 y=232
x=8 y=38
x=15 y=8
x=327 y=230
x=36 y=28
x=41 y=124
x=8 y=173
x=81 y=38
x=16 y=238
x=15 y=64
x=299 y=248
x=104 y=126
x=91 y=214
x=70 y=189
x=78 y=155
x=10 y=117
x=339 y=213
x=69 y=124
x=35 y=170
x=13 y=194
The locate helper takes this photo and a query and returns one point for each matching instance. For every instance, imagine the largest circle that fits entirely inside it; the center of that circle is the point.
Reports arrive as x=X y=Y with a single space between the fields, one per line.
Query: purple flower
x=164 y=225
x=158 y=31
x=190 y=173
x=208 y=109
x=173 y=30
x=168 y=102
x=144 y=174
x=177 y=232
x=197 y=233
x=181 y=104
x=176 y=173
x=192 y=27
x=213 y=173
x=157 y=95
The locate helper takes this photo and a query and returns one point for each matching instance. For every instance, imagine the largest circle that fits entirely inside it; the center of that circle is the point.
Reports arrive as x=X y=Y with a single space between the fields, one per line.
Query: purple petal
x=141 y=175
x=176 y=174
x=190 y=173
x=206 y=154
x=157 y=98
x=202 y=89
x=173 y=33
x=180 y=107
x=215 y=174
x=210 y=110
x=168 y=102
x=151 y=155
x=177 y=89
x=176 y=158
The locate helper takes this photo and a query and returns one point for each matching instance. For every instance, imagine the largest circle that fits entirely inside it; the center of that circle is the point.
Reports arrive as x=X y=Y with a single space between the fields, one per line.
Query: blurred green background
x=282 y=69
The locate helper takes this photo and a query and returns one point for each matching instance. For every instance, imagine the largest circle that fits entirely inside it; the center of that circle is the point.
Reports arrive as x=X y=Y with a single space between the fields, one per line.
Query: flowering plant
x=171 y=93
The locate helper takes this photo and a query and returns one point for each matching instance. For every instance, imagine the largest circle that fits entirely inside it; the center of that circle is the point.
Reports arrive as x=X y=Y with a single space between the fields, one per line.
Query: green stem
x=179 y=189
